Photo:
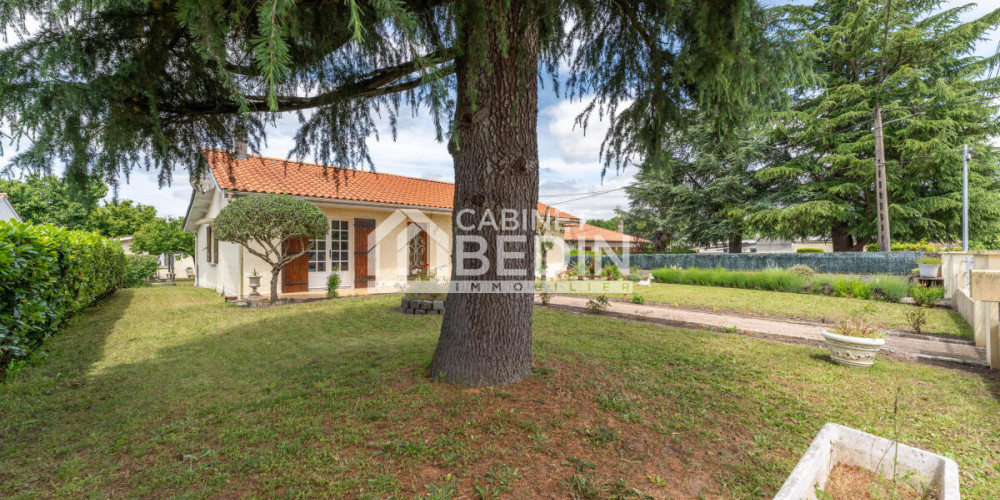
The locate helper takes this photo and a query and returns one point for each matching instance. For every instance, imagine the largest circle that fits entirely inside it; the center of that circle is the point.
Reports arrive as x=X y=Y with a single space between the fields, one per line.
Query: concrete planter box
x=836 y=444
x=853 y=351
x=929 y=270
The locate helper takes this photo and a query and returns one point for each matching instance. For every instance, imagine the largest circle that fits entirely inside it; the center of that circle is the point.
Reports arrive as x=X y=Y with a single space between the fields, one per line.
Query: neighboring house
x=7 y=211
x=765 y=245
x=408 y=219
x=183 y=264
x=587 y=237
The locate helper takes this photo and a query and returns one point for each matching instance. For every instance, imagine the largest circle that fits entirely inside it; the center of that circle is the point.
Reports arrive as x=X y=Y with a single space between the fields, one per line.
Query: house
x=382 y=226
x=7 y=211
x=587 y=237
x=183 y=264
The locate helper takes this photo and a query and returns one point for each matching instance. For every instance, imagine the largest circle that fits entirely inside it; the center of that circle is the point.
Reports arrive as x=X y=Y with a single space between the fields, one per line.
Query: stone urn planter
x=254 y=285
x=836 y=444
x=853 y=351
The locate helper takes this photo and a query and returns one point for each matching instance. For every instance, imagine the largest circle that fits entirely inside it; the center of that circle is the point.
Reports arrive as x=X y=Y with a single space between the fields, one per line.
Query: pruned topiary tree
x=270 y=221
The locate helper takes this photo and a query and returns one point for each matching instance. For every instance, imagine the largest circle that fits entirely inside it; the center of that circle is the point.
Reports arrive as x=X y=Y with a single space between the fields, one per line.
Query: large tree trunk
x=736 y=243
x=843 y=241
x=486 y=337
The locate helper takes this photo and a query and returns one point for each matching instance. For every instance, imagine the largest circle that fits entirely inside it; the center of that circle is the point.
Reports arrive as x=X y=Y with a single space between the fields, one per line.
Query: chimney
x=240 y=149
x=621 y=226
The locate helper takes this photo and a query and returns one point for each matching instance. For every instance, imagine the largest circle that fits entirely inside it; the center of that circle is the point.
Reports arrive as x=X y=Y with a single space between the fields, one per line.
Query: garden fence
x=837 y=263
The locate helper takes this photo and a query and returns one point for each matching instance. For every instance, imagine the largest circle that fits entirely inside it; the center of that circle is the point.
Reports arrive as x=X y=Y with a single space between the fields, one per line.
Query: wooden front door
x=363 y=262
x=295 y=275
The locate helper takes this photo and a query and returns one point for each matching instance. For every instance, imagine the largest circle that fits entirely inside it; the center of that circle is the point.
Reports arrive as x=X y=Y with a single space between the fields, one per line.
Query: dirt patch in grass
x=548 y=437
x=849 y=482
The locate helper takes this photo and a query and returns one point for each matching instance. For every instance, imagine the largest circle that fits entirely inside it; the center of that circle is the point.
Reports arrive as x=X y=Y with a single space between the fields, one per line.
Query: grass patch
x=821 y=308
x=166 y=391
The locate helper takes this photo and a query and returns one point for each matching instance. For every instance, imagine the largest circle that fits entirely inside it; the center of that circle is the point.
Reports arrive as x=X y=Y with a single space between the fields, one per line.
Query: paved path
x=926 y=349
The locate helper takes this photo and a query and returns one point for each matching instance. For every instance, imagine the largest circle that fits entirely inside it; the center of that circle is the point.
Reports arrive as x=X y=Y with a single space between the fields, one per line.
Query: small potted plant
x=254 y=278
x=929 y=266
x=854 y=342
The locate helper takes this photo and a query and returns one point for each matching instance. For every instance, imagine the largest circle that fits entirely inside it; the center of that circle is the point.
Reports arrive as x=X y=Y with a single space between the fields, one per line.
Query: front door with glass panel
x=330 y=255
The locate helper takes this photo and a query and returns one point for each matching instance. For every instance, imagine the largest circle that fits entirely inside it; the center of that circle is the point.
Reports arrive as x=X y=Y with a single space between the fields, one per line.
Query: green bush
x=803 y=270
x=781 y=280
x=47 y=274
x=890 y=288
x=137 y=269
x=635 y=277
x=638 y=299
x=332 y=283
x=920 y=246
x=852 y=287
x=809 y=250
x=926 y=296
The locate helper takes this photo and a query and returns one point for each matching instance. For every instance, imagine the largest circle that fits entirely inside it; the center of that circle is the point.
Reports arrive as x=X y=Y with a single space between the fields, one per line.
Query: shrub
x=920 y=246
x=803 y=270
x=332 y=283
x=858 y=326
x=598 y=304
x=890 y=288
x=545 y=298
x=638 y=299
x=917 y=318
x=138 y=268
x=926 y=296
x=809 y=250
x=852 y=287
x=781 y=280
x=634 y=277
x=929 y=260
x=47 y=274
x=612 y=272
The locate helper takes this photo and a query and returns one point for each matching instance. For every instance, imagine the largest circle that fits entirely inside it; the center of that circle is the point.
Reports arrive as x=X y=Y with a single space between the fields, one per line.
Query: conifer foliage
x=915 y=60
x=106 y=86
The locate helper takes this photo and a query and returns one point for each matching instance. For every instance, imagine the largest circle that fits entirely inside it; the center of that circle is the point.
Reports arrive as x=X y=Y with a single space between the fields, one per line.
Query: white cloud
x=575 y=143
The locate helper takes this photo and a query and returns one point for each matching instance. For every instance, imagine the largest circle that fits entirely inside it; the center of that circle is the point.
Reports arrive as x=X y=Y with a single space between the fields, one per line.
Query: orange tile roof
x=260 y=174
x=587 y=232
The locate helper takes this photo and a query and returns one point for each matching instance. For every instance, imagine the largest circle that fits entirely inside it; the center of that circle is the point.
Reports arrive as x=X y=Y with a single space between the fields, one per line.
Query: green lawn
x=810 y=307
x=169 y=392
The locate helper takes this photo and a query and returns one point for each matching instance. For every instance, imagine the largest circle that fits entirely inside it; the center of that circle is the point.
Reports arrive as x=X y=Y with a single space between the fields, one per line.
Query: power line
x=572 y=194
x=590 y=196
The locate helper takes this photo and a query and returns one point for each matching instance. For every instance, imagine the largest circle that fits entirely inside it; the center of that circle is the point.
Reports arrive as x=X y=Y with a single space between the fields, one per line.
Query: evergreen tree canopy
x=120 y=218
x=163 y=235
x=105 y=87
x=916 y=61
x=49 y=199
x=707 y=188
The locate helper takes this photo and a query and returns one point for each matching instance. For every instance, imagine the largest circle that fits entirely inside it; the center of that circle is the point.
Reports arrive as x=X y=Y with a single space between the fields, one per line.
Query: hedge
x=884 y=288
x=48 y=273
x=836 y=263
x=138 y=268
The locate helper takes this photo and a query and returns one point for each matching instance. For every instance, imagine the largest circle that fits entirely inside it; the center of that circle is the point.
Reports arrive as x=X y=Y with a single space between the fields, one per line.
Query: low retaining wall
x=840 y=263
x=414 y=306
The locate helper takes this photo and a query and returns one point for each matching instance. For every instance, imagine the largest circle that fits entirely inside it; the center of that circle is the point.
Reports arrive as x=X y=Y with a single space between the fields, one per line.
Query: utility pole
x=881 y=192
x=965 y=197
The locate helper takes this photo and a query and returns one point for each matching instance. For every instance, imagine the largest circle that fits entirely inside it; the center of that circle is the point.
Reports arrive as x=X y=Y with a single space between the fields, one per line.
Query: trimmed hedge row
x=794 y=280
x=836 y=263
x=48 y=273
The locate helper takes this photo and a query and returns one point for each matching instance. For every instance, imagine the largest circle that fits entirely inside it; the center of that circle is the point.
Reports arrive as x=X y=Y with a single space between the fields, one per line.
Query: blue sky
x=569 y=158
